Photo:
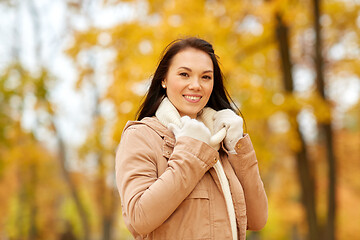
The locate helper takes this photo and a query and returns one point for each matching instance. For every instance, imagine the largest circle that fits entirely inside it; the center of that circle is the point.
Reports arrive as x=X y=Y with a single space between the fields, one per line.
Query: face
x=189 y=81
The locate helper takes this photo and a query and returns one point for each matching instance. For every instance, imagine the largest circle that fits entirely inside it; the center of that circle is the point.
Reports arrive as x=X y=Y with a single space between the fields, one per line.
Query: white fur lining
x=167 y=113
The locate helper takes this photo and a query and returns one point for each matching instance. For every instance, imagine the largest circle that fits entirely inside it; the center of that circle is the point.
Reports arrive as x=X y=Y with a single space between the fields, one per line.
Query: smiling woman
x=185 y=169
x=189 y=81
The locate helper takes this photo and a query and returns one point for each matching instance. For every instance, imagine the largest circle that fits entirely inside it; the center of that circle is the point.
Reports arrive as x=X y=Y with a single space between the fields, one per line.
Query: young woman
x=185 y=169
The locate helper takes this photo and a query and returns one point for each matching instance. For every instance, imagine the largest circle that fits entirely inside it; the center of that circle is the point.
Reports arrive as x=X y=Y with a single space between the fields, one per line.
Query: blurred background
x=73 y=72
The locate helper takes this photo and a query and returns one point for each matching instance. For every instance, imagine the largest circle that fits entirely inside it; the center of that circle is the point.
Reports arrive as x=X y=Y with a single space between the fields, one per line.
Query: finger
x=221 y=134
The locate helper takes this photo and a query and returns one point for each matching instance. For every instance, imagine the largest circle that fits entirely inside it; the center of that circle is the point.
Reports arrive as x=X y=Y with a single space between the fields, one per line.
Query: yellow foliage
x=243 y=34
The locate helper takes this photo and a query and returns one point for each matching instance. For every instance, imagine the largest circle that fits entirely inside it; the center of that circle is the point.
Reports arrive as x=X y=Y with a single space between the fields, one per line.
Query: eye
x=184 y=74
x=207 y=77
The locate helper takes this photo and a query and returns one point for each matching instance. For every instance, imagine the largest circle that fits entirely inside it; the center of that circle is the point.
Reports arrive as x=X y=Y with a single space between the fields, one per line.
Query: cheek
x=209 y=88
x=174 y=88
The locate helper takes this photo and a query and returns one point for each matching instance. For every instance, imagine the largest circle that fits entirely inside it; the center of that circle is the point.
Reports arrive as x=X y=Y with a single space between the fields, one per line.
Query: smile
x=192 y=98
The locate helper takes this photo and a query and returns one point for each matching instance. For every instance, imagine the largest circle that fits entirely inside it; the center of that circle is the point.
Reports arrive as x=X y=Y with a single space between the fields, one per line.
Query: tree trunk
x=106 y=200
x=305 y=175
x=73 y=191
x=22 y=198
x=33 y=231
x=103 y=195
x=106 y=197
x=326 y=128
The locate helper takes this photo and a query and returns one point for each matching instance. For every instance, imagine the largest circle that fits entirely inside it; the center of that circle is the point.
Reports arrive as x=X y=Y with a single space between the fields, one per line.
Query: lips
x=192 y=98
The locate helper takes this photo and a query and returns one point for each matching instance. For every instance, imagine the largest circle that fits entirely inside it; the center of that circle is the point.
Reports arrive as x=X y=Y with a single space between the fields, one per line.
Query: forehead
x=192 y=58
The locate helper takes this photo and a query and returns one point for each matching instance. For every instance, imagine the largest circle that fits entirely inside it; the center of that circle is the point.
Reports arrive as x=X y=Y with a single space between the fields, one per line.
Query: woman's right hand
x=191 y=128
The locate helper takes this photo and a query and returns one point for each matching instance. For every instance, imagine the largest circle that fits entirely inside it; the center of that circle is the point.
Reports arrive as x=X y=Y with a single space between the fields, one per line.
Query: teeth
x=192 y=97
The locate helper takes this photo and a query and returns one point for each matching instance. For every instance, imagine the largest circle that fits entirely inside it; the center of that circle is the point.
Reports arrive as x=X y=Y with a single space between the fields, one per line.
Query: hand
x=233 y=124
x=191 y=128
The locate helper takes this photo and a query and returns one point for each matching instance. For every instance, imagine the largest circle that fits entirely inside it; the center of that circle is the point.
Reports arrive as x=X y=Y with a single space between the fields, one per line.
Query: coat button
x=239 y=145
x=215 y=159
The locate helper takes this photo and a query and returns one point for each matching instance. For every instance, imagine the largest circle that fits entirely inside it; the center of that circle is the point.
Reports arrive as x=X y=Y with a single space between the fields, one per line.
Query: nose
x=194 y=83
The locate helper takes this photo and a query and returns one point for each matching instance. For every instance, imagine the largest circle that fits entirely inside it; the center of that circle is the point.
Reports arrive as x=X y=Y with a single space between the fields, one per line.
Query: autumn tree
x=244 y=35
x=273 y=54
x=28 y=119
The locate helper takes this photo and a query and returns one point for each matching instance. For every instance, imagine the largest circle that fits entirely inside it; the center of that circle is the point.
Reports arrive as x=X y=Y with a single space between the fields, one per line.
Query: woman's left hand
x=233 y=124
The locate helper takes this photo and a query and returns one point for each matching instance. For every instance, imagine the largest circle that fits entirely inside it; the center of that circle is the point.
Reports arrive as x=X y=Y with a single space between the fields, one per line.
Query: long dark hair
x=219 y=98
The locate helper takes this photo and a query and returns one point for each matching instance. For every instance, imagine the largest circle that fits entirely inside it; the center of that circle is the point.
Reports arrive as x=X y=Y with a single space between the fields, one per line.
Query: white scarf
x=167 y=113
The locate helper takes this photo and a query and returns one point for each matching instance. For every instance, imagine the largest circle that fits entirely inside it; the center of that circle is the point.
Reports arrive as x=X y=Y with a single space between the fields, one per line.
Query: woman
x=185 y=170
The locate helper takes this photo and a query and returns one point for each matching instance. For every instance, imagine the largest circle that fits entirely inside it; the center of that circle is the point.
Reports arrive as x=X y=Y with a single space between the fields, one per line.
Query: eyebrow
x=188 y=69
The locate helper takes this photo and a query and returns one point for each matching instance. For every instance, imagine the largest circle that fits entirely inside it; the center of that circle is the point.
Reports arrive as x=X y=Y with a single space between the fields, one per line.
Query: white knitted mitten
x=191 y=128
x=234 y=125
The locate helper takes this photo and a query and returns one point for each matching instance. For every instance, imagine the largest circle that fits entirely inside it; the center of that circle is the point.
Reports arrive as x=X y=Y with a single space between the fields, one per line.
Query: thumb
x=218 y=137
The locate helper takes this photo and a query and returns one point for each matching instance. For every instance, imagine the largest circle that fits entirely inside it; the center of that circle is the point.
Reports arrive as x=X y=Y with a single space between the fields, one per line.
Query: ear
x=163 y=83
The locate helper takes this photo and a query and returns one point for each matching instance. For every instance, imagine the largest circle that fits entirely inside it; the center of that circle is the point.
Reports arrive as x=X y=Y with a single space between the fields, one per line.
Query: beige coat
x=169 y=189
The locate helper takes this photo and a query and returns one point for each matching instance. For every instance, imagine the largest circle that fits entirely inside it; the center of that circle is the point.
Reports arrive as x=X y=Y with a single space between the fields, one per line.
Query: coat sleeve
x=148 y=200
x=246 y=169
